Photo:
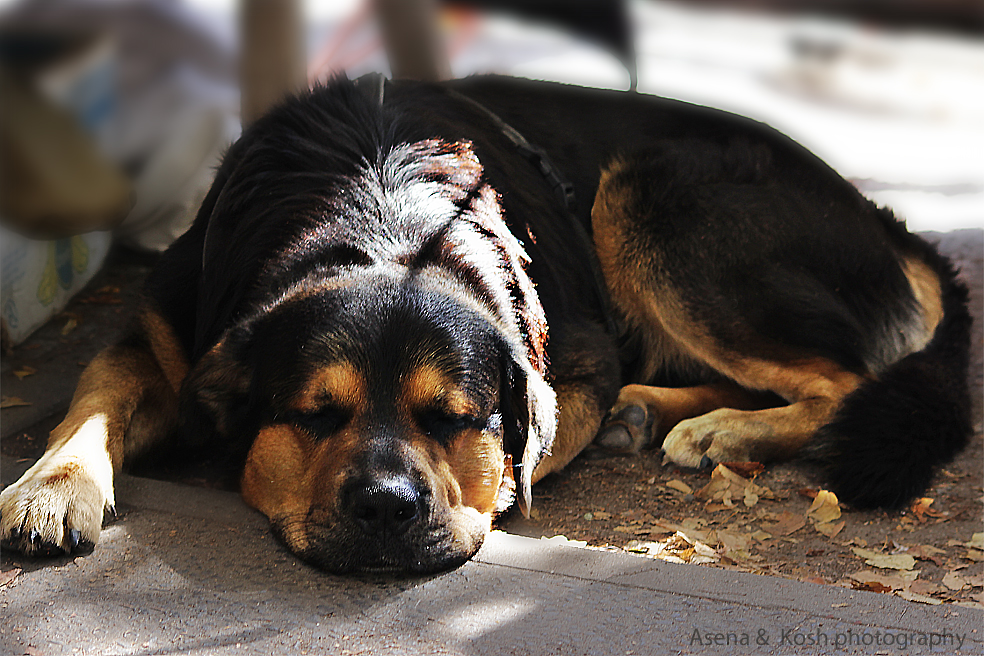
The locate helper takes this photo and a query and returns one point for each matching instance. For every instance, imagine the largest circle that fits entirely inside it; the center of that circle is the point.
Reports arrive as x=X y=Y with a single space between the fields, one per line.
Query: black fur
x=890 y=435
x=768 y=246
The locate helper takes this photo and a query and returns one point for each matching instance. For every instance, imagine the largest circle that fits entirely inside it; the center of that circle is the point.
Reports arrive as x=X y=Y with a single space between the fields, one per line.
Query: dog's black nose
x=390 y=506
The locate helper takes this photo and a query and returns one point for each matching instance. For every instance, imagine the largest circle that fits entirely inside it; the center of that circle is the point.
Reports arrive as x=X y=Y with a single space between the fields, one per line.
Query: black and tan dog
x=361 y=312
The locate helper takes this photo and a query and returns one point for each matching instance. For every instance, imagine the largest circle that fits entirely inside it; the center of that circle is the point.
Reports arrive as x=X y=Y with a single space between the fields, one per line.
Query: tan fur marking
x=427 y=386
x=166 y=348
x=475 y=459
x=339 y=383
x=295 y=481
x=578 y=423
x=646 y=304
x=926 y=288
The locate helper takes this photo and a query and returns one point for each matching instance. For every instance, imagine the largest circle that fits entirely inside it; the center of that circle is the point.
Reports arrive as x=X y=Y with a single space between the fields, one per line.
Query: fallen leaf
x=808 y=492
x=921 y=509
x=954 y=581
x=975 y=555
x=726 y=486
x=885 y=561
x=24 y=372
x=976 y=541
x=746 y=469
x=12 y=402
x=825 y=508
x=788 y=523
x=926 y=552
x=602 y=515
x=925 y=587
x=830 y=529
x=976 y=581
x=735 y=541
x=679 y=486
x=751 y=497
x=922 y=599
x=876 y=582
x=69 y=326
x=761 y=536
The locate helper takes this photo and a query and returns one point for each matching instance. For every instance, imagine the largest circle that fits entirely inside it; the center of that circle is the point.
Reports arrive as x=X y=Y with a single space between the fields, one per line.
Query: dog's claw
x=34 y=537
x=74 y=537
x=705 y=463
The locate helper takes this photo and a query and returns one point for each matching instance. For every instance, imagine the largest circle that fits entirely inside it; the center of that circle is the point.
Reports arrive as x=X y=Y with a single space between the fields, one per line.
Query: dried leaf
x=920 y=508
x=976 y=541
x=888 y=581
x=885 y=561
x=726 y=486
x=808 y=492
x=69 y=326
x=954 y=581
x=975 y=555
x=922 y=599
x=679 y=486
x=926 y=552
x=976 y=581
x=925 y=587
x=12 y=402
x=761 y=536
x=788 y=523
x=746 y=469
x=24 y=372
x=750 y=498
x=602 y=515
x=830 y=529
x=825 y=508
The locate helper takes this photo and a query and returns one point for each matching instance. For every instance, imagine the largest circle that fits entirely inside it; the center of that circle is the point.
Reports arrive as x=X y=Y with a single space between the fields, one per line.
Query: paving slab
x=194 y=571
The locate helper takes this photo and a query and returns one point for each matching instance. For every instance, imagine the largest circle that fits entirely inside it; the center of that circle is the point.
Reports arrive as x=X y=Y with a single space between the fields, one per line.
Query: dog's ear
x=215 y=395
x=529 y=420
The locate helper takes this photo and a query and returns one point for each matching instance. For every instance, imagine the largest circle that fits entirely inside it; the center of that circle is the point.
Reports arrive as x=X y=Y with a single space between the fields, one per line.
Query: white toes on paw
x=703 y=442
x=56 y=507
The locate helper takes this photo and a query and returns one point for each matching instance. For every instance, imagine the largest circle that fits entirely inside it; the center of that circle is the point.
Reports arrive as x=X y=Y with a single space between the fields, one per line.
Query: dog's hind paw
x=55 y=508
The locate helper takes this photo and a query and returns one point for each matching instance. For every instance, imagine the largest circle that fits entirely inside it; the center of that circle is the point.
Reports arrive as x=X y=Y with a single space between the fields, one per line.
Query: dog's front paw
x=631 y=423
x=56 y=507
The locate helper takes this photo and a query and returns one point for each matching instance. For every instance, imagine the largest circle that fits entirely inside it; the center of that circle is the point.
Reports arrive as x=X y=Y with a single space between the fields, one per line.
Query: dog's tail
x=889 y=435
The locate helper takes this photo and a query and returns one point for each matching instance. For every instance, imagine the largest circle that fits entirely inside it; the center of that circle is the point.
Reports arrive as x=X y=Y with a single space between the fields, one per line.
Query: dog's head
x=393 y=387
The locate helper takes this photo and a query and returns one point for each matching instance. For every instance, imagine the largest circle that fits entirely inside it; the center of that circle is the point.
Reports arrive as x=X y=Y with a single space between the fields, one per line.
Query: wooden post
x=412 y=40
x=272 y=54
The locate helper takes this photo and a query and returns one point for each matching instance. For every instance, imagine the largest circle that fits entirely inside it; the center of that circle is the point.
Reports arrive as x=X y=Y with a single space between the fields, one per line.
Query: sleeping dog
x=400 y=305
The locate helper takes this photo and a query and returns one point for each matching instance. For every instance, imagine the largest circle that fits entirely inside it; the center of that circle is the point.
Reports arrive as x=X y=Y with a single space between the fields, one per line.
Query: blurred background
x=115 y=112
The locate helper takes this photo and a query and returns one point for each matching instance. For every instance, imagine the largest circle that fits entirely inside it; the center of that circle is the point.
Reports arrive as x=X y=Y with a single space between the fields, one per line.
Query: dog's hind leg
x=125 y=400
x=815 y=389
x=643 y=415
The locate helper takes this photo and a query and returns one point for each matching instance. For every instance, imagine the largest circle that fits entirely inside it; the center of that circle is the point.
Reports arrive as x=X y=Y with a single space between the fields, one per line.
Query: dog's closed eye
x=442 y=426
x=322 y=423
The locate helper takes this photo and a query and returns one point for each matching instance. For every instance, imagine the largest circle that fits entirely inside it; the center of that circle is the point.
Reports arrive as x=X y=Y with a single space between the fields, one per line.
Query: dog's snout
x=389 y=506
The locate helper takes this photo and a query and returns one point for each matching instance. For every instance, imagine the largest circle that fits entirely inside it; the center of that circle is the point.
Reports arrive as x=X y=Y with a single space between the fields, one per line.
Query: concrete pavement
x=194 y=571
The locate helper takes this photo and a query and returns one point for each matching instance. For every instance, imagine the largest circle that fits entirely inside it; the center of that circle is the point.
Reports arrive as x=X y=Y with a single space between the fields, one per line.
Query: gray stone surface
x=194 y=571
